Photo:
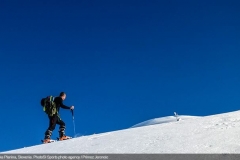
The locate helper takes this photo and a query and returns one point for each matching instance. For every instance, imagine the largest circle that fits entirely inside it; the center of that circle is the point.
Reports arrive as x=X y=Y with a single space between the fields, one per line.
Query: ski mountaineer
x=55 y=119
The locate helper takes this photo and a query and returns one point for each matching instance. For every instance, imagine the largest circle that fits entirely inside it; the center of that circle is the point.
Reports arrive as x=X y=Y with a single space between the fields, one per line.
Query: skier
x=55 y=119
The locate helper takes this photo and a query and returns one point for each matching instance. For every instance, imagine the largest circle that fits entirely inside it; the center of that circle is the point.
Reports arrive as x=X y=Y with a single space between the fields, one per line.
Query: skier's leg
x=61 y=127
x=51 y=127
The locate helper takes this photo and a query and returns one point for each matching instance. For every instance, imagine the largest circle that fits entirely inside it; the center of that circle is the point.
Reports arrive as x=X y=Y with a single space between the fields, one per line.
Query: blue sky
x=119 y=62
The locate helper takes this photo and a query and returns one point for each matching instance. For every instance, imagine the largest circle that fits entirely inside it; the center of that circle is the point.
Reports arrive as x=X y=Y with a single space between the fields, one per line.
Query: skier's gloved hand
x=72 y=107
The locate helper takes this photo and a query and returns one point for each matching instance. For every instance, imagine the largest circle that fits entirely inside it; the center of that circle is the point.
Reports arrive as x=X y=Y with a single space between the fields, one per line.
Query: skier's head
x=63 y=95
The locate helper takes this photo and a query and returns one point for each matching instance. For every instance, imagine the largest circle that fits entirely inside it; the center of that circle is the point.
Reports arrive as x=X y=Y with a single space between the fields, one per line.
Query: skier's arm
x=63 y=106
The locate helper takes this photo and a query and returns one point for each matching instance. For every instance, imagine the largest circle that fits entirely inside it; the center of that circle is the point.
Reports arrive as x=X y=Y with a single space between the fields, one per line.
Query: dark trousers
x=53 y=121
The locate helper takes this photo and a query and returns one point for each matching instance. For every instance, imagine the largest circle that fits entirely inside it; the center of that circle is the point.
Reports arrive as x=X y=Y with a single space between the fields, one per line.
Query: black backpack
x=49 y=106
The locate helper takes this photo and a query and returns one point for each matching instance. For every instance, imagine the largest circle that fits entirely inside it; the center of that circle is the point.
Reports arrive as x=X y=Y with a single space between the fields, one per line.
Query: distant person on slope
x=54 y=119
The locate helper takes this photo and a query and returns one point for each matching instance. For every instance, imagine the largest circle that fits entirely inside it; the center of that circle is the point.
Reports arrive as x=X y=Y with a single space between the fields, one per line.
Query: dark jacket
x=59 y=103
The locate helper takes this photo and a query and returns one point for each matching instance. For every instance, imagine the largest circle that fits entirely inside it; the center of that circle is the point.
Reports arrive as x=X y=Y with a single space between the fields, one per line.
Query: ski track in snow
x=211 y=134
x=97 y=136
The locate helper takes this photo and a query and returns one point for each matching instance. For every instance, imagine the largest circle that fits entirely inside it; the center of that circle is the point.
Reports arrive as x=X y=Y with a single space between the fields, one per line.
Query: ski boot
x=64 y=137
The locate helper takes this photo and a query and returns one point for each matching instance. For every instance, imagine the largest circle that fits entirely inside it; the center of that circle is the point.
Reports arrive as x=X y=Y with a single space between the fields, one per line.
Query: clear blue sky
x=120 y=63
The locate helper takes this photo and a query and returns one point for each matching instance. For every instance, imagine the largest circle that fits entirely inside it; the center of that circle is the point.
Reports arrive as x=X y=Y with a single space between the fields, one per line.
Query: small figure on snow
x=51 y=107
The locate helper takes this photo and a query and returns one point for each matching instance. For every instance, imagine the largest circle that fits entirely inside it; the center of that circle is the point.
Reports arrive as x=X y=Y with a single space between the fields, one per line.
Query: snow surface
x=210 y=134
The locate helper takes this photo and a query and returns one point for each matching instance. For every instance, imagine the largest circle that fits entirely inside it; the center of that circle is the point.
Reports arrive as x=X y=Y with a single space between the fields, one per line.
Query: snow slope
x=211 y=134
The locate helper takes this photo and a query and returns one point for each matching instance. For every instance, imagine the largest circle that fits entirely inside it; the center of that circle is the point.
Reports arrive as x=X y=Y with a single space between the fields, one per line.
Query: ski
x=58 y=139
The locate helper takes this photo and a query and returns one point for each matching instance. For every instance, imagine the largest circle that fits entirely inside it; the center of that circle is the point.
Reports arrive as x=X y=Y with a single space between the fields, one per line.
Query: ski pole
x=73 y=123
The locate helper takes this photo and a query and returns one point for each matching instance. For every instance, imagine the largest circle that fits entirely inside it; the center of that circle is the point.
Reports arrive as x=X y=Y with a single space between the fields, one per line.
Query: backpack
x=49 y=106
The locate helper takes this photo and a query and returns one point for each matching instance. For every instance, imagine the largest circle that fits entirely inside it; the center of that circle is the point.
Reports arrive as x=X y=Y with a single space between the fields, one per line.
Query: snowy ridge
x=167 y=119
x=211 y=134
